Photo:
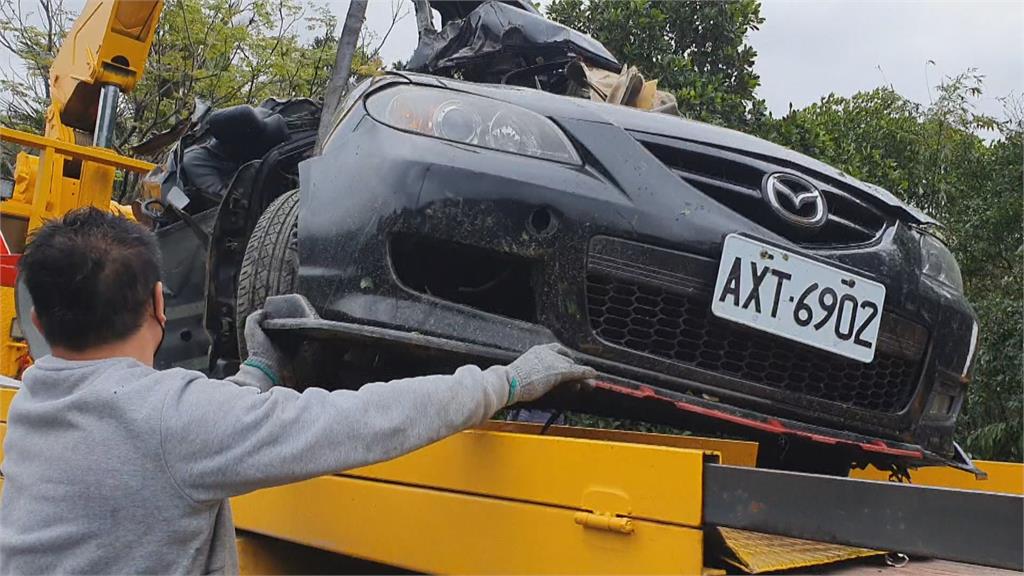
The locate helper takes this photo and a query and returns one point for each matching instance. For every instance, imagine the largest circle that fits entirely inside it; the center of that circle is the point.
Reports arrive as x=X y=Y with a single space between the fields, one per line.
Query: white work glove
x=263 y=355
x=540 y=369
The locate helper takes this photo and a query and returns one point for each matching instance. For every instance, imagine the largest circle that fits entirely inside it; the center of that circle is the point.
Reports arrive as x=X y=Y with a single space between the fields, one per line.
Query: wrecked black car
x=710 y=276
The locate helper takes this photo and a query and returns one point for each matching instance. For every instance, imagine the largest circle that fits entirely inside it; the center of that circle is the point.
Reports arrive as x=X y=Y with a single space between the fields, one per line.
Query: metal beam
x=965 y=526
x=106 y=117
x=89 y=153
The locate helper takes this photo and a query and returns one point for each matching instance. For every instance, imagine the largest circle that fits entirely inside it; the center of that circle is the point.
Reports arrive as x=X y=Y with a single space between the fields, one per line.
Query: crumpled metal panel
x=495 y=29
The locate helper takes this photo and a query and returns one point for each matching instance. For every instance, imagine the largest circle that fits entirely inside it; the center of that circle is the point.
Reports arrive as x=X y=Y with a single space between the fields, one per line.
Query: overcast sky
x=809 y=48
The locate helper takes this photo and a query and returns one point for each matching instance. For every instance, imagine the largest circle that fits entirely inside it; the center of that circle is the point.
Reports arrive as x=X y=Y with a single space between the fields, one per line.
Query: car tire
x=271 y=262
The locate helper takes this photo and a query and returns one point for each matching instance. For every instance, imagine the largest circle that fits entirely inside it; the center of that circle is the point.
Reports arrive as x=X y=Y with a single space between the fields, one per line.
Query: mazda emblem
x=795 y=199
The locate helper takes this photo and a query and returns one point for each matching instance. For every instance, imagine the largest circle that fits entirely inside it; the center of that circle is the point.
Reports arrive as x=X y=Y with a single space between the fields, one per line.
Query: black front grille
x=641 y=312
x=735 y=180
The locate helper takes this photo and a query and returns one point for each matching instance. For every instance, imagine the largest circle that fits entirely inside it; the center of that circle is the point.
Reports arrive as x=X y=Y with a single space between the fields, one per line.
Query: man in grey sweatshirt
x=114 y=467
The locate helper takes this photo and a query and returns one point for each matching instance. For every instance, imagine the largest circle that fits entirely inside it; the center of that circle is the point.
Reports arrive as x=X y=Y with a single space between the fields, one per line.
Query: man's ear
x=158 y=303
x=36 y=322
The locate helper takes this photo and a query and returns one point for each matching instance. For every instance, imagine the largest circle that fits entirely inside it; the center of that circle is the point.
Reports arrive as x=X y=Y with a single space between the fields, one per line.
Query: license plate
x=794 y=297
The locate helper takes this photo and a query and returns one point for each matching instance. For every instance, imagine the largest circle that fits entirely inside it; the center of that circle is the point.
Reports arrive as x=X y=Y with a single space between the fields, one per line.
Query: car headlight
x=939 y=264
x=474 y=120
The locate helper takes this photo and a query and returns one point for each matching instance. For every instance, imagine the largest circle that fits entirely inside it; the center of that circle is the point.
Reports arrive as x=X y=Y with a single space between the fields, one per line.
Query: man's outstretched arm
x=220 y=439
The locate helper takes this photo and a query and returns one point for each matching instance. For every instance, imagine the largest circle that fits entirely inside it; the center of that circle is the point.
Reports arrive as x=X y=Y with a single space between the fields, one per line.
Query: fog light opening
x=484 y=279
x=941 y=405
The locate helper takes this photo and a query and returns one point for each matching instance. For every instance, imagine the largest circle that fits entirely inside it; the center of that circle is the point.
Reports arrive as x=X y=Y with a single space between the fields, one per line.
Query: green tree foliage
x=227 y=52
x=696 y=49
x=32 y=34
x=933 y=157
x=224 y=52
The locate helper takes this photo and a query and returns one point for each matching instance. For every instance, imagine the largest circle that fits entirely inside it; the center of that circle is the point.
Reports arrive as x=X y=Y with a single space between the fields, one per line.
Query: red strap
x=9 y=269
x=8 y=264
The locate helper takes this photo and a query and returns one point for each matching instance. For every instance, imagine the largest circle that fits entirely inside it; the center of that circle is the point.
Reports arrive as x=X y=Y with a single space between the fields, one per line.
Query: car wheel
x=271 y=262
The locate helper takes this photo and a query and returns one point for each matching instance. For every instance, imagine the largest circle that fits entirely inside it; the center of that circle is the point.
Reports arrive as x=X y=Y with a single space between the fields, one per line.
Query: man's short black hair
x=91 y=276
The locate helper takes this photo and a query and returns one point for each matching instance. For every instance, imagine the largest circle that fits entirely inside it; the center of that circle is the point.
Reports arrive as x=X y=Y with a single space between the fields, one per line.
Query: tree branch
x=338 y=84
x=396 y=16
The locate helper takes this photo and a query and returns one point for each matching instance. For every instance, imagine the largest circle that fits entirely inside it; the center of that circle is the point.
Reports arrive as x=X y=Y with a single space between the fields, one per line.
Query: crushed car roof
x=494 y=28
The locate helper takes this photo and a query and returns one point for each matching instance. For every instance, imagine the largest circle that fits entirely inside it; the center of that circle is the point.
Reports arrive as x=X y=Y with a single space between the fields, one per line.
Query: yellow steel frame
x=1003 y=477
x=731 y=452
x=52 y=194
x=485 y=502
x=89 y=153
x=6 y=395
x=13 y=353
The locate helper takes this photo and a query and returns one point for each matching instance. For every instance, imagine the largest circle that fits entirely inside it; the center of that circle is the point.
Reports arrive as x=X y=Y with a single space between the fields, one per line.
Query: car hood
x=635 y=120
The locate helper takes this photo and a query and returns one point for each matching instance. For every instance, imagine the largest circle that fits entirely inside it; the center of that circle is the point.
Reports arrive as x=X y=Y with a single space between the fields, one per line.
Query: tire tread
x=271 y=260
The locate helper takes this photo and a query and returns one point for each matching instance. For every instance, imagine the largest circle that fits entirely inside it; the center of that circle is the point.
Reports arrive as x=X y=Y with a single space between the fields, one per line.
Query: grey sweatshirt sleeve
x=221 y=439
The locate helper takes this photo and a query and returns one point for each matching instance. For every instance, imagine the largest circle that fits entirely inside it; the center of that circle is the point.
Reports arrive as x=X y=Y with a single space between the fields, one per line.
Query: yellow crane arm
x=104 y=53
